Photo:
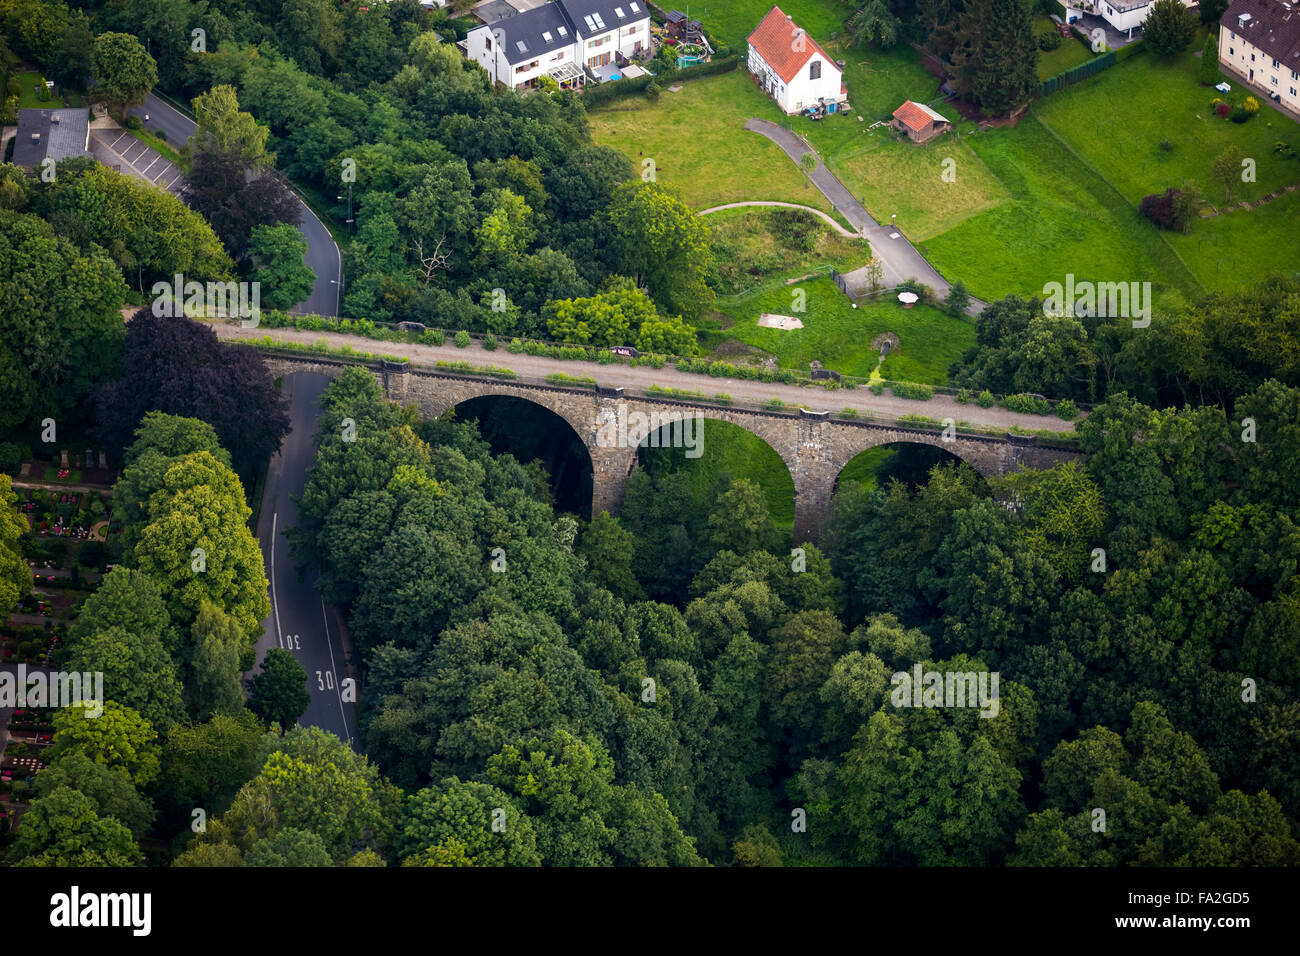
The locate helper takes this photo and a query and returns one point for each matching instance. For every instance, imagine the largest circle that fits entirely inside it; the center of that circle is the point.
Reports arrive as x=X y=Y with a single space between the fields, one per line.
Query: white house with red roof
x=791 y=67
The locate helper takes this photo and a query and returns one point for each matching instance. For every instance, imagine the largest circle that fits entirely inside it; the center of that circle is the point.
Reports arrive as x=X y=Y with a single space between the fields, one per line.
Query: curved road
x=785 y=205
x=323 y=257
x=300 y=621
x=898 y=257
x=533 y=369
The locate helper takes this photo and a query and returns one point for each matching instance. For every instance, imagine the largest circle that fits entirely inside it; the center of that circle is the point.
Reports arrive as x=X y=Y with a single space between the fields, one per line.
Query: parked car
x=624 y=350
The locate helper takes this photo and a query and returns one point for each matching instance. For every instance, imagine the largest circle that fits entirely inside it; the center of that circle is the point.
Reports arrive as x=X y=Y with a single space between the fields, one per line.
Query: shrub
x=963 y=396
x=796 y=228
x=133 y=122
x=1250 y=105
x=1171 y=210
x=652 y=90
x=985 y=399
x=1166 y=146
x=433 y=337
x=923 y=292
x=1049 y=40
x=1222 y=109
x=1028 y=404
x=847 y=412
x=462 y=339
x=1239 y=114
x=1067 y=410
x=490 y=342
x=913 y=390
x=774 y=404
x=876 y=387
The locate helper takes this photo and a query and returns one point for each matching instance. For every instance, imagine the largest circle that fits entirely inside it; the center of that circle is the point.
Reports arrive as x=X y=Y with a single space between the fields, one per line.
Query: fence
x=1076 y=74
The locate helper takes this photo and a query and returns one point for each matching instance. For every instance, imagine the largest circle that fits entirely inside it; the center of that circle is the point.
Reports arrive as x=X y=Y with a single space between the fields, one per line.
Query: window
x=523 y=47
x=1294 y=76
x=546 y=35
x=632 y=30
x=618 y=12
x=564 y=31
x=815 y=71
x=1293 y=91
x=1231 y=35
x=1230 y=51
x=1275 y=64
x=1274 y=81
x=635 y=8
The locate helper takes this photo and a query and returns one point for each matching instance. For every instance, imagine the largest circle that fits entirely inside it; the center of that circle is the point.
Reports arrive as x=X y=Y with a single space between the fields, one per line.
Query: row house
x=569 y=40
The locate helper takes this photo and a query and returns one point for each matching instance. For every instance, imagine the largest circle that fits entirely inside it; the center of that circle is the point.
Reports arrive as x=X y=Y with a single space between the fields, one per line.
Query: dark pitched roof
x=534 y=32
x=604 y=14
x=60 y=134
x=1271 y=25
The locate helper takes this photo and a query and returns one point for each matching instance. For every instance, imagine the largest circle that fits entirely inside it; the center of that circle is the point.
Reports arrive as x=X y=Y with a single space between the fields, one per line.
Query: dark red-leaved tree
x=178 y=366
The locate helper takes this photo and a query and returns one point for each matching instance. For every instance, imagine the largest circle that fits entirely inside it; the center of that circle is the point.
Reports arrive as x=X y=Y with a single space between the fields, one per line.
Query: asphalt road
x=300 y=621
x=323 y=257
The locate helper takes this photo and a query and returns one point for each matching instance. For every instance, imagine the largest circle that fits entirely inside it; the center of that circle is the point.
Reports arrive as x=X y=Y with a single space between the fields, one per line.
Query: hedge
x=605 y=92
x=1076 y=74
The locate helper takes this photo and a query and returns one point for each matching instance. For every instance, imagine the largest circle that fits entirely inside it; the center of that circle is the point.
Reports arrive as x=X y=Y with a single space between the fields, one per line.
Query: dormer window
x=618 y=12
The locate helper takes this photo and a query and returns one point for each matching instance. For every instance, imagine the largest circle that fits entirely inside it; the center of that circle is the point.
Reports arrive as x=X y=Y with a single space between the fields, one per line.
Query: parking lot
x=116 y=148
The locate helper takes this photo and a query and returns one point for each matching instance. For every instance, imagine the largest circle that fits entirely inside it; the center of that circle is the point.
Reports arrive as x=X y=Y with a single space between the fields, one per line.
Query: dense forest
x=680 y=684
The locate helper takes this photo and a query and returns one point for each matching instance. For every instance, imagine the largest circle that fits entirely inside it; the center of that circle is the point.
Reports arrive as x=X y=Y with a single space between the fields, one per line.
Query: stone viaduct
x=814 y=446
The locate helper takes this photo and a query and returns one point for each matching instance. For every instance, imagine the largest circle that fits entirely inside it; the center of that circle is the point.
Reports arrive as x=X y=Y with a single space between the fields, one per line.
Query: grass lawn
x=730 y=450
x=893 y=176
x=29 y=83
x=698 y=141
x=1239 y=247
x=1062 y=218
x=750 y=248
x=840 y=336
x=1069 y=54
x=1162 y=102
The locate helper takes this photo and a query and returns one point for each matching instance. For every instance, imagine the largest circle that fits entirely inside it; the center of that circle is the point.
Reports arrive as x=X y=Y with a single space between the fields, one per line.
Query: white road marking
x=275 y=603
x=151 y=165
x=338 y=680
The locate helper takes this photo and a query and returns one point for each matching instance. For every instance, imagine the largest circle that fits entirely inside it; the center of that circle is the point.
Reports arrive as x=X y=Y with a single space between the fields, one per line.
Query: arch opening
x=722 y=451
x=905 y=461
x=532 y=432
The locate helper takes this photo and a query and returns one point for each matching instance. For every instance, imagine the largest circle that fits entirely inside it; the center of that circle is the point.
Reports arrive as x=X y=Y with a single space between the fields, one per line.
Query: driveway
x=323 y=256
x=899 y=259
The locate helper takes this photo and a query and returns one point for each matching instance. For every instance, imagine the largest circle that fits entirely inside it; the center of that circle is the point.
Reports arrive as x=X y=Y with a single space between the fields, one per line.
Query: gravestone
x=103 y=460
x=90 y=458
x=63 y=458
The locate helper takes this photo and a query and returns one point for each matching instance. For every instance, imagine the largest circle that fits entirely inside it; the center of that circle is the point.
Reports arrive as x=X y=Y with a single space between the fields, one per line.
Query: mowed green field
x=1162 y=102
x=839 y=336
x=1062 y=218
x=893 y=177
x=698 y=141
